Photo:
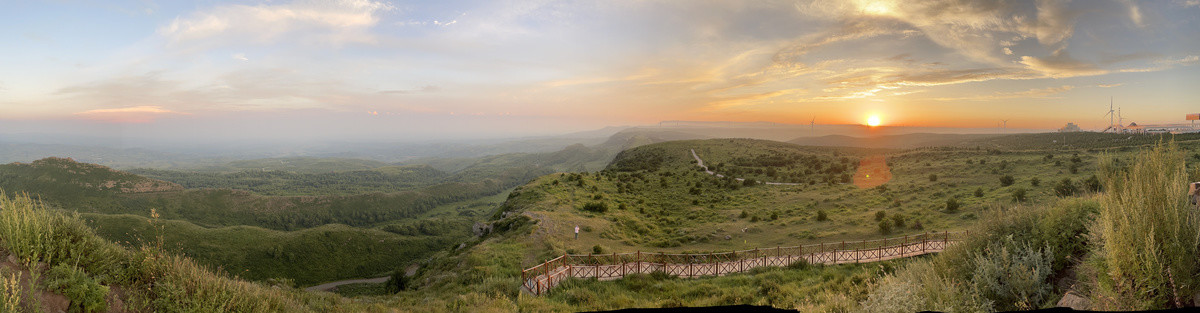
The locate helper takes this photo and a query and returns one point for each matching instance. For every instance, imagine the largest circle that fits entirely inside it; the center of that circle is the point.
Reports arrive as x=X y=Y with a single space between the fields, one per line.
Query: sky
x=401 y=70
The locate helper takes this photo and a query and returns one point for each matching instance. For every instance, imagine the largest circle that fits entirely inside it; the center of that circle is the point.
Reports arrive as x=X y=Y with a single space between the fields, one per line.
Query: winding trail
x=710 y=172
x=330 y=286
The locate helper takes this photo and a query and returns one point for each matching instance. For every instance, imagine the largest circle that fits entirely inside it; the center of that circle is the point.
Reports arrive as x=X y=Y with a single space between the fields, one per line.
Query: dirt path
x=332 y=285
x=710 y=172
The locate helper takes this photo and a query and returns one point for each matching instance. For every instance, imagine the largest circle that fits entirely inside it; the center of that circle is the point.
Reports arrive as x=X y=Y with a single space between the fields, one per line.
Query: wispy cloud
x=135 y=114
x=338 y=22
x=1038 y=93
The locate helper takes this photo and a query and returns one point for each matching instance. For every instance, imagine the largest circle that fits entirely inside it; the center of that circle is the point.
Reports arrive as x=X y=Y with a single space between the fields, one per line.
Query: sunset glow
x=873 y=121
x=545 y=67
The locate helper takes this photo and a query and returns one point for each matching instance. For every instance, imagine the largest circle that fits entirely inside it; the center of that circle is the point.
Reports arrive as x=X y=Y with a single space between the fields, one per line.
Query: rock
x=481 y=229
x=728 y=238
x=1073 y=301
x=462 y=245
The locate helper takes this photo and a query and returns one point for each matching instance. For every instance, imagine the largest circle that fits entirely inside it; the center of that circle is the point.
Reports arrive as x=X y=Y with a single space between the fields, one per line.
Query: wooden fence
x=541 y=278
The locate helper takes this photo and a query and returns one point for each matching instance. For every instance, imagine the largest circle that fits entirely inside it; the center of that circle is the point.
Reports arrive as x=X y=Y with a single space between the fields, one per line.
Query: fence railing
x=541 y=278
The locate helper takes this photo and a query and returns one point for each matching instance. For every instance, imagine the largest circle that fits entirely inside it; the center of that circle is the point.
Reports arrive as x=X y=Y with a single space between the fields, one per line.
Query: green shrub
x=1006 y=180
x=879 y=215
x=1092 y=184
x=1035 y=181
x=1013 y=278
x=932 y=177
x=744 y=214
x=1151 y=234
x=597 y=249
x=85 y=293
x=979 y=192
x=1065 y=188
x=951 y=205
x=1018 y=194
x=595 y=206
x=885 y=226
x=822 y=216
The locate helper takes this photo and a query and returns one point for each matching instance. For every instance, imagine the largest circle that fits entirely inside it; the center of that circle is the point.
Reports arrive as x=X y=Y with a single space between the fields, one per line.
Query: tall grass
x=1009 y=263
x=1151 y=234
x=152 y=280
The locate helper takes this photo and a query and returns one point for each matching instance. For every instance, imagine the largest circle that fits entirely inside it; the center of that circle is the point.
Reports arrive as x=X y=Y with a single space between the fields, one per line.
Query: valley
x=473 y=230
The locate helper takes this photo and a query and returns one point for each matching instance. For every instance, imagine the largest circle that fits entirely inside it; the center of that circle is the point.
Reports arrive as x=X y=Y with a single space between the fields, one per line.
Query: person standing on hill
x=576 y=231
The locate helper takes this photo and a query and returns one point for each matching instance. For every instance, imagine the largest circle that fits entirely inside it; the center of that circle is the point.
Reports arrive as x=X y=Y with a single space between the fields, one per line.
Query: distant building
x=1071 y=127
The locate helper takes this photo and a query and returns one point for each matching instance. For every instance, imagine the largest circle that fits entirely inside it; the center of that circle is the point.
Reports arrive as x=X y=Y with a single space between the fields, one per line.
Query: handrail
x=540 y=278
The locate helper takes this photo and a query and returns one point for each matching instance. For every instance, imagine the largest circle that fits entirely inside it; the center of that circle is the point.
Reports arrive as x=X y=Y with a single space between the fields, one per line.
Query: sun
x=873 y=121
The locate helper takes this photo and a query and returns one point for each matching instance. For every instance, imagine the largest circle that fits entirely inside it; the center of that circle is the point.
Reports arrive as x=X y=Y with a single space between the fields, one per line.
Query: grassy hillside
x=1048 y=230
x=284 y=183
x=906 y=141
x=1023 y=253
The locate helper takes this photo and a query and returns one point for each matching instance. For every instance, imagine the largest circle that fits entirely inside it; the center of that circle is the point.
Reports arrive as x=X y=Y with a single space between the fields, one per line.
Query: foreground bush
x=1151 y=234
x=1008 y=263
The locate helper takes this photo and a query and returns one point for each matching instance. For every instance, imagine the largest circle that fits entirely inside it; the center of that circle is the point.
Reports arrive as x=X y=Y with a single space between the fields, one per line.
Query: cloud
x=1135 y=12
x=1036 y=93
x=240 y=57
x=1061 y=65
x=1055 y=23
x=426 y=88
x=1110 y=85
x=336 y=22
x=135 y=114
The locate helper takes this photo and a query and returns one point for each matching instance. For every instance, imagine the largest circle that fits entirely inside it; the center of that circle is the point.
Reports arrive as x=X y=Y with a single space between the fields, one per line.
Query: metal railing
x=541 y=278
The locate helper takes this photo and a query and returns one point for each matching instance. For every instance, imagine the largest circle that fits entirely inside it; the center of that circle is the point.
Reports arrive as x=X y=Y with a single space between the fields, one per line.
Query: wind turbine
x=1005 y=123
x=813 y=123
x=1110 y=114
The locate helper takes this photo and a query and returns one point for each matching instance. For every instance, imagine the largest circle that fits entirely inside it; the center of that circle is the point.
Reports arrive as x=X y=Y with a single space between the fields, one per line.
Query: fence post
x=739 y=260
x=924 y=242
x=904 y=246
x=821 y=251
x=800 y=251
x=595 y=268
x=879 y=252
x=778 y=254
x=622 y=264
x=638 y=261
x=662 y=259
x=843 y=251
x=756 y=257
x=688 y=257
x=946 y=241
x=858 y=252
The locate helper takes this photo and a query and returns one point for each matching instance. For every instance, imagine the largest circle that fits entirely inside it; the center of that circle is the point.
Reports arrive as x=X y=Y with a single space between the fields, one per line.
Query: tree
x=885 y=226
x=880 y=215
x=898 y=220
x=398 y=281
x=1065 y=188
x=1006 y=180
x=1092 y=183
x=951 y=205
x=1018 y=194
